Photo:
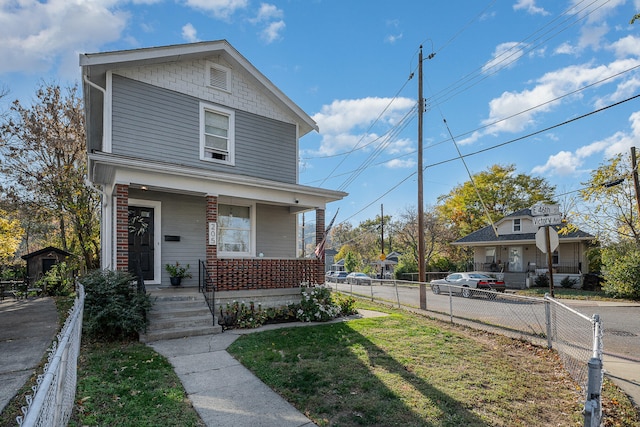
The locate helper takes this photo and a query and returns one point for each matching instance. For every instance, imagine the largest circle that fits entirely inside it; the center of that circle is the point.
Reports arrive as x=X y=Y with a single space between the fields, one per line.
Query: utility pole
x=421 y=266
x=381 y=229
x=634 y=173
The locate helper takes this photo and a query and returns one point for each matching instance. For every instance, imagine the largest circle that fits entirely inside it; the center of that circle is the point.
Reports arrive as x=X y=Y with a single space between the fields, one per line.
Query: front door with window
x=515 y=258
x=141 y=240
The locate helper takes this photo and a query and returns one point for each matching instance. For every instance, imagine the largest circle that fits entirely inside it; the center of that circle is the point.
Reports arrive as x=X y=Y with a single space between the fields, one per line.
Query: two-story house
x=196 y=154
x=510 y=249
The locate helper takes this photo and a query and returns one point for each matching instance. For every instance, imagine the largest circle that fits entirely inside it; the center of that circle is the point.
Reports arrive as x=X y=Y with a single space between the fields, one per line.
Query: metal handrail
x=206 y=285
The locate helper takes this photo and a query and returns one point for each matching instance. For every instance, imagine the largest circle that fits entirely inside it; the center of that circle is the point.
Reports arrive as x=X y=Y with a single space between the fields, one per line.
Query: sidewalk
x=224 y=392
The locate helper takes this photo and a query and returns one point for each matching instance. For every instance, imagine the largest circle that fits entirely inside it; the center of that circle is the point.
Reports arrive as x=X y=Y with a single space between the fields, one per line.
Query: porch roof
x=108 y=169
x=487 y=235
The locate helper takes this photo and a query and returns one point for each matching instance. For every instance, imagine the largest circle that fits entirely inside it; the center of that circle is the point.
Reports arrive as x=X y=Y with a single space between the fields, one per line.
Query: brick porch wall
x=122 y=226
x=235 y=274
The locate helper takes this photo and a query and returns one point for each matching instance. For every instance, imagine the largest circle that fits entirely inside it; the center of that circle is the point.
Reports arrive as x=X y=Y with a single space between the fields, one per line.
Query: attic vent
x=218 y=76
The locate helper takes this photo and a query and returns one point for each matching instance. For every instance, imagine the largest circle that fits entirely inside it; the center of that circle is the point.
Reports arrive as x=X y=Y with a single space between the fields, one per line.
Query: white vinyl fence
x=55 y=391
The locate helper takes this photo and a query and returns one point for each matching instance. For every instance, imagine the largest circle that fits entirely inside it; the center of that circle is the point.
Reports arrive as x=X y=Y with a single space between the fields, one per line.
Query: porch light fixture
x=144 y=188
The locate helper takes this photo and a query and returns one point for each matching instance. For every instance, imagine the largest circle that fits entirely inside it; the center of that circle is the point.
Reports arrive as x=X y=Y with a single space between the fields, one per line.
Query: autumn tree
x=436 y=233
x=10 y=237
x=44 y=165
x=610 y=207
x=489 y=196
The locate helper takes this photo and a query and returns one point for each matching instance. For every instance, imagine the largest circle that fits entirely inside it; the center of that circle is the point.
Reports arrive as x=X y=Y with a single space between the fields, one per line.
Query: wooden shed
x=39 y=262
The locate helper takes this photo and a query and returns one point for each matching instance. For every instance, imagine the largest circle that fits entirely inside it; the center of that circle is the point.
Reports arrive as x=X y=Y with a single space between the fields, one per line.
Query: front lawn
x=407 y=370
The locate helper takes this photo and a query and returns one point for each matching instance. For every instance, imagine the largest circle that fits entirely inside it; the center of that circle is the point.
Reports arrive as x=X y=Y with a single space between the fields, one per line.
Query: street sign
x=539 y=209
x=541 y=240
x=547 y=220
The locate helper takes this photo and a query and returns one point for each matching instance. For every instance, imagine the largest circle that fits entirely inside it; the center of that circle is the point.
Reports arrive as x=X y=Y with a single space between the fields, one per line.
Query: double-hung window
x=234 y=230
x=216 y=134
x=516 y=224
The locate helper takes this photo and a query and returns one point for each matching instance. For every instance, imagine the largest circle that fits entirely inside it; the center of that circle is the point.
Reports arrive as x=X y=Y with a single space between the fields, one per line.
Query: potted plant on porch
x=177 y=272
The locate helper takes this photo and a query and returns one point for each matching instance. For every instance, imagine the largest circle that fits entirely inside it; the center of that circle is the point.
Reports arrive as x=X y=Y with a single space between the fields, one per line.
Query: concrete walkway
x=225 y=393
x=27 y=329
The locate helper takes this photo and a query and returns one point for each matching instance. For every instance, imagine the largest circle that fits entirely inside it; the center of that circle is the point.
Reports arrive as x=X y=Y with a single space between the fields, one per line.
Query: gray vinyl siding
x=158 y=124
x=182 y=216
x=275 y=232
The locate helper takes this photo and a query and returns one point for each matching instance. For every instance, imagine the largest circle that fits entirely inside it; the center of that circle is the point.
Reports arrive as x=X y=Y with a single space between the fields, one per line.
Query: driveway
x=27 y=328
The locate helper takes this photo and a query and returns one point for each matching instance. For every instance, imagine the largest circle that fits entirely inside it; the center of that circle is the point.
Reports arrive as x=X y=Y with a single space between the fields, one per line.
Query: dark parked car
x=464 y=283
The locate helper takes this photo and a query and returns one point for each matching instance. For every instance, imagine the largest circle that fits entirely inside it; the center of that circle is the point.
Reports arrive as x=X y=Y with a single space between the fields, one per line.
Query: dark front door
x=141 y=242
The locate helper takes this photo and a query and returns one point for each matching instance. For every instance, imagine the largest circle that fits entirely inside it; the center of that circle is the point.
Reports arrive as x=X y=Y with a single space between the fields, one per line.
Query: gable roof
x=44 y=251
x=95 y=65
x=488 y=235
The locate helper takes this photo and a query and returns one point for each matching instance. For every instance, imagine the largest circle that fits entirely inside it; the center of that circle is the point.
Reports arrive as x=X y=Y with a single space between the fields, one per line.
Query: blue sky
x=505 y=76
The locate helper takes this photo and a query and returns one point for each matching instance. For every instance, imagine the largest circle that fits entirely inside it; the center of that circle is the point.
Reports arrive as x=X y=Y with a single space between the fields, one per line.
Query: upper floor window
x=516 y=224
x=216 y=134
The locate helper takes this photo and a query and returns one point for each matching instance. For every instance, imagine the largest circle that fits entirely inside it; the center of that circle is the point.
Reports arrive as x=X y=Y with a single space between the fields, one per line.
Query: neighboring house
x=387 y=265
x=196 y=155
x=513 y=251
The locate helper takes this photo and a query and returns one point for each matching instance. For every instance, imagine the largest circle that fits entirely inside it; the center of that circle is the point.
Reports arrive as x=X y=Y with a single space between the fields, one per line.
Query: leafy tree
x=621 y=267
x=44 y=164
x=635 y=18
x=610 y=208
x=10 y=237
x=350 y=262
x=437 y=236
x=502 y=192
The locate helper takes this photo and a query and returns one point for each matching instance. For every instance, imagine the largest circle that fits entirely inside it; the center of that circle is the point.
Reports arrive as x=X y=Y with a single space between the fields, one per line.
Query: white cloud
x=597 y=11
x=221 y=9
x=392 y=38
x=530 y=7
x=400 y=164
x=346 y=123
x=565 y=49
x=272 y=22
x=567 y=163
x=273 y=31
x=37 y=36
x=189 y=33
x=626 y=46
x=591 y=36
x=515 y=111
x=563 y=163
x=267 y=12
x=505 y=55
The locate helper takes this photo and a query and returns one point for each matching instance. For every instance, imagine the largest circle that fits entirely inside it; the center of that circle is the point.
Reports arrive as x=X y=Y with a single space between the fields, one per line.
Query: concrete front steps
x=176 y=313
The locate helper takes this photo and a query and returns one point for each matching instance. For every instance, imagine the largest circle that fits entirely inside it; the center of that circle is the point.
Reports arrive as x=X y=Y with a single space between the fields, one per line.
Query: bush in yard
x=113 y=308
x=316 y=305
x=568 y=282
x=347 y=304
x=541 y=281
x=621 y=268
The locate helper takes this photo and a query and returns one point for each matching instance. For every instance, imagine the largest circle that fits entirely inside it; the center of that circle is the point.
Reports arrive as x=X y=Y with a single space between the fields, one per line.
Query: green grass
x=560 y=293
x=407 y=370
x=129 y=384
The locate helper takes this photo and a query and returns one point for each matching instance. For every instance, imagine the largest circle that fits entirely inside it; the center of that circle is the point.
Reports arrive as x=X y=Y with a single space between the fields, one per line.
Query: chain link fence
x=542 y=321
x=54 y=397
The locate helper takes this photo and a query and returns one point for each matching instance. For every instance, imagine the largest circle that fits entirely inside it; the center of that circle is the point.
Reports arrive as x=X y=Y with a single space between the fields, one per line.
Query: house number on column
x=213 y=233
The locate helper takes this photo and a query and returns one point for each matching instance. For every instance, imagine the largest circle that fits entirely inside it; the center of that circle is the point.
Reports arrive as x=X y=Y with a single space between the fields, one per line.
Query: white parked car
x=464 y=283
x=358 y=279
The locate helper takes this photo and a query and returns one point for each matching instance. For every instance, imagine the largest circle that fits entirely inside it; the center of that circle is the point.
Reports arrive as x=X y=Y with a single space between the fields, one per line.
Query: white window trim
x=157 y=230
x=231 y=137
x=209 y=65
x=252 y=220
x=519 y=225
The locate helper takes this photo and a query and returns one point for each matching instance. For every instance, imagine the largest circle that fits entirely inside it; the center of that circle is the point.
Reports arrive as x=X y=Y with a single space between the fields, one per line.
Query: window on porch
x=234 y=230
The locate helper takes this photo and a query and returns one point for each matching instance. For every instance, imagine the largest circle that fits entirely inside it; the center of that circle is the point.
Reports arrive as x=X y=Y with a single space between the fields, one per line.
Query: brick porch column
x=122 y=226
x=317 y=275
x=319 y=225
x=212 y=250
